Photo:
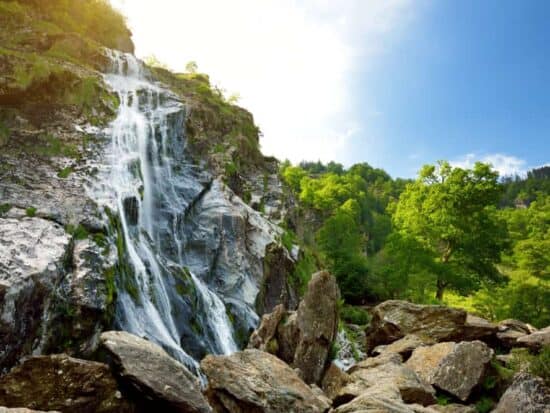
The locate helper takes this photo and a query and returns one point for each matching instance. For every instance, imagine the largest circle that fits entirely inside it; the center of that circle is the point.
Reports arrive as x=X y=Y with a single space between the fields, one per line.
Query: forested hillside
x=464 y=237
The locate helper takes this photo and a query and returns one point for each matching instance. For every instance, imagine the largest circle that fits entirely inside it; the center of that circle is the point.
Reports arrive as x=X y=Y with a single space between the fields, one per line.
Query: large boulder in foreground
x=454 y=367
x=147 y=369
x=318 y=325
x=394 y=319
x=62 y=383
x=527 y=394
x=303 y=338
x=257 y=382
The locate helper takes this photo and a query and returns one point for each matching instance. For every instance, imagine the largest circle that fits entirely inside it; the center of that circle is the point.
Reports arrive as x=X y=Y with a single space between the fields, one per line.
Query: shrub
x=354 y=315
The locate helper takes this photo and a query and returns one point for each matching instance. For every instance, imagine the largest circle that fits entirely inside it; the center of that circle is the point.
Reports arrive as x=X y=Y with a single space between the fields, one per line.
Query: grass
x=4 y=209
x=31 y=211
x=65 y=172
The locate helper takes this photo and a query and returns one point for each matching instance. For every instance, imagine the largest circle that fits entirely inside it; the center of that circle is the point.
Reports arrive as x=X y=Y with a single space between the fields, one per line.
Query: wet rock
x=131 y=210
x=404 y=346
x=62 y=383
x=317 y=319
x=527 y=394
x=388 y=371
x=150 y=371
x=395 y=319
x=536 y=340
x=33 y=260
x=255 y=381
x=334 y=380
x=455 y=368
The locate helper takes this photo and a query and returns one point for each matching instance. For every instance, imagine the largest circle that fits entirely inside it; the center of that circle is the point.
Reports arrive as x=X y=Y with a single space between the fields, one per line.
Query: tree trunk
x=440 y=290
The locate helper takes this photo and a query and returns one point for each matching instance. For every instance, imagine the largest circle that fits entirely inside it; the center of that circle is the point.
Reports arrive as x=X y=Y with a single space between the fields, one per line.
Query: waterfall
x=148 y=182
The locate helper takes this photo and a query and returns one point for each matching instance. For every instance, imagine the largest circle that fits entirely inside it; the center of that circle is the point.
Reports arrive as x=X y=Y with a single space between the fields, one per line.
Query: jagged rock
x=536 y=340
x=287 y=337
x=404 y=346
x=510 y=330
x=477 y=328
x=62 y=383
x=264 y=337
x=275 y=287
x=455 y=368
x=394 y=319
x=370 y=362
x=321 y=395
x=303 y=338
x=33 y=260
x=255 y=381
x=381 y=398
x=317 y=319
x=387 y=370
x=333 y=381
x=454 y=408
x=150 y=371
x=527 y=394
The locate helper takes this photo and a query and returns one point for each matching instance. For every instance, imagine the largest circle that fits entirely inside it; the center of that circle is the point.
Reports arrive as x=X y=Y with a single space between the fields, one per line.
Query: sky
x=395 y=83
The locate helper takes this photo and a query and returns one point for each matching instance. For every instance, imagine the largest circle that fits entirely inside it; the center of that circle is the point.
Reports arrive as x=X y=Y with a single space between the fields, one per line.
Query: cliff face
x=67 y=267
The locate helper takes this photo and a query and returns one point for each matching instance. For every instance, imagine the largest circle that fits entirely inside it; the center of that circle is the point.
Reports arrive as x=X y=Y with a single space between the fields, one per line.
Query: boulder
x=303 y=338
x=394 y=319
x=393 y=373
x=317 y=319
x=382 y=398
x=477 y=328
x=510 y=330
x=536 y=340
x=255 y=381
x=404 y=346
x=148 y=370
x=33 y=257
x=264 y=337
x=527 y=394
x=333 y=381
x=63 y=383
x=455 y=368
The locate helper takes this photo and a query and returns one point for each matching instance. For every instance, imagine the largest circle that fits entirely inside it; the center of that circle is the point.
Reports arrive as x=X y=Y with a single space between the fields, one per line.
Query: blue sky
x=396 y=83
x=465 y=78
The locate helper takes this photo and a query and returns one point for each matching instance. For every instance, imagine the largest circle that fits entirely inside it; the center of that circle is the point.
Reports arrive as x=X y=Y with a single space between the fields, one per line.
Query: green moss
x=273 y=346
x=443 y=400
x=78 y=232
x=49 y=145
x=334 y=350
x=31 y=211
x=65 y=172
x=4 y=209
x=485 y=405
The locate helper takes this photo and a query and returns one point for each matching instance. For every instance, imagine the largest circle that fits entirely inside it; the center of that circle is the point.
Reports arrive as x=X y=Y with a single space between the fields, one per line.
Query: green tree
x=191 y=67
x=452 y=212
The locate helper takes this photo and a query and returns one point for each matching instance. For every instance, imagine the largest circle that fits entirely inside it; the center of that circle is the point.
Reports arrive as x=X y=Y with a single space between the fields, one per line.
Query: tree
x=191 y=67
x=452 y=212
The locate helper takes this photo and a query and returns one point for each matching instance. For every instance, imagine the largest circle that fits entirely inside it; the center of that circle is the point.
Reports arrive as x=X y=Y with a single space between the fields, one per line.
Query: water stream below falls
x=147 y=180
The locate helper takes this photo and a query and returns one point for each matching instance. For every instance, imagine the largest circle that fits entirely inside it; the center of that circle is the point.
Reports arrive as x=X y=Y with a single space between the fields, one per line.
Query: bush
x=354 y=315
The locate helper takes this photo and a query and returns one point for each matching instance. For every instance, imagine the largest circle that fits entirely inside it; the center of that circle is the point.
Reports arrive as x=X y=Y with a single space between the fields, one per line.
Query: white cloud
x=290 y=60
x=506 y=165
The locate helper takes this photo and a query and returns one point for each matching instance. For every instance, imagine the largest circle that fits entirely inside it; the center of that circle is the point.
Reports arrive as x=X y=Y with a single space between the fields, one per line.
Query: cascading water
x=150 y=185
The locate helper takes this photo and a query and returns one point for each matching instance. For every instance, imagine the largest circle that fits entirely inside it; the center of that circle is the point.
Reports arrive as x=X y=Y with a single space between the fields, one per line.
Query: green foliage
x=452 y=213
x=4 y=209
x=354 y=315
x=485 y=405
x=443 y=400
x=78 y=232
x=536 y=364
x=65 y=172
x=30 y=211
x=304 y=269
x=191 y=67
